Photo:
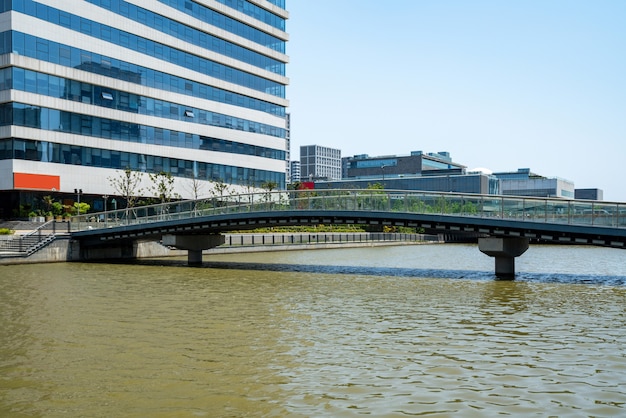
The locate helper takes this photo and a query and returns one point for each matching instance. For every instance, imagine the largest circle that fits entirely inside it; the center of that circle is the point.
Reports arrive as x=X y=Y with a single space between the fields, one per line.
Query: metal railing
x=547 y=210
x=31 y=242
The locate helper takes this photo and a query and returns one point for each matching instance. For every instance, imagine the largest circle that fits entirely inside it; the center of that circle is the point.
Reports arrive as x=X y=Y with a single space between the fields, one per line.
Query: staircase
x=25 y=245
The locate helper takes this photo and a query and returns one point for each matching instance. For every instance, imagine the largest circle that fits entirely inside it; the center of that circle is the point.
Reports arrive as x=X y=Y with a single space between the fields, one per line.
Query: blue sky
x=498 y=84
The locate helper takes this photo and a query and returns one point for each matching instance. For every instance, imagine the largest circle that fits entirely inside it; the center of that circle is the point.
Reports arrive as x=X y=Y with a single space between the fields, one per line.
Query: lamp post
x=78 y=193
x=382 y=167
x=104 y=198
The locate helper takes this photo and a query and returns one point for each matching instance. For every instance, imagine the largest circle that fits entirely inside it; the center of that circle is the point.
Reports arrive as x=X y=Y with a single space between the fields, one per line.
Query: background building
x=288 y=150
x=589 y=194
x=295 y=171
x=89 y=88
x=318 y=162
x=525 y=183
x=417 y=171
x=418 y=163
x=461 y=183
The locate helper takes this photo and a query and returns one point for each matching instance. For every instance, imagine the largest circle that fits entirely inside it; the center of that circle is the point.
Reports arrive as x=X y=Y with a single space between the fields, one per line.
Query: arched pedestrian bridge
x=506 y=224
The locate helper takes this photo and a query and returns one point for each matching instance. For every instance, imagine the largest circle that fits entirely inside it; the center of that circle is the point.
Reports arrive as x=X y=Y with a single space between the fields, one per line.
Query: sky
x=502 y=85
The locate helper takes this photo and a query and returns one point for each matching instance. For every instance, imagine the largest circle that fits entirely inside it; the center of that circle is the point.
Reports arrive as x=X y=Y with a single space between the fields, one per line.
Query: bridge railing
x=548 y=210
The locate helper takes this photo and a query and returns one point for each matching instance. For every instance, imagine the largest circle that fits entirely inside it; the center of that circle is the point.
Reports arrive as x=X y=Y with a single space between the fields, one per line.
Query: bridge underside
x=194 y=244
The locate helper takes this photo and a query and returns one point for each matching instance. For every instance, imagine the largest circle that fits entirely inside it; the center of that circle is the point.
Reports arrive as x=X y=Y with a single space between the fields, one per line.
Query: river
x=379 y=331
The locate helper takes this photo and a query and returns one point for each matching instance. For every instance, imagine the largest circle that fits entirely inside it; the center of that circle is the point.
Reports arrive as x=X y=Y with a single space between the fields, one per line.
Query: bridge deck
x=550 y=220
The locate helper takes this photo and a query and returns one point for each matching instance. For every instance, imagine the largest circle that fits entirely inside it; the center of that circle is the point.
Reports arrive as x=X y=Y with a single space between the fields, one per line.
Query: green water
x=385 y=332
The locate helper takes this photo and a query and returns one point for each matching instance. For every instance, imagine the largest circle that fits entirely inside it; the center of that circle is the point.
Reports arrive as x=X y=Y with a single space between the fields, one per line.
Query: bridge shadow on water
x=413 y=273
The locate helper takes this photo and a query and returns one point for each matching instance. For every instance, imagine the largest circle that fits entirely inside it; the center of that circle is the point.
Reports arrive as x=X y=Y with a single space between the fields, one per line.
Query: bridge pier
x=504 y=249
x=194 y=244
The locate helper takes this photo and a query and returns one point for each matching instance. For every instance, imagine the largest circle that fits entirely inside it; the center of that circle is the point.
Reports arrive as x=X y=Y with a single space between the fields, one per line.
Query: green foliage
x=6 y=231
x=308 y=229
x=57 y=208
x=220 y=188
x=22 y=211
x=375 y=186
x=269 y=185
x=126 y=184
x=162 y=186
x=48 y=201
x=81 y=208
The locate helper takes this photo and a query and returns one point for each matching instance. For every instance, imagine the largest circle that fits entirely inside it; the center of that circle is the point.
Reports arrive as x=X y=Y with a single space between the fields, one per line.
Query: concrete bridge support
x=504 y=249
x=194 y=244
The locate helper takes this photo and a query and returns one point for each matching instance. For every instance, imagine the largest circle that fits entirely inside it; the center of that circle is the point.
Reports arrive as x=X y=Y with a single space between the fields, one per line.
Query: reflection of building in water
x=181 y=87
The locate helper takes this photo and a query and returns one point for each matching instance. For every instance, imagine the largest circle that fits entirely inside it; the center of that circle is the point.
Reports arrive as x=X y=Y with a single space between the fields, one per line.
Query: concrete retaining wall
x=63 y=249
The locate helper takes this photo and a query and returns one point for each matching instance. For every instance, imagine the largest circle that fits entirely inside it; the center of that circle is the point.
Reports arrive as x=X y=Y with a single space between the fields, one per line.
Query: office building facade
x=434 y=172
x=389 y=166
x=91 y=88
x=476 y=183
x=319 y=163
x=523 y=182
x=589 y=194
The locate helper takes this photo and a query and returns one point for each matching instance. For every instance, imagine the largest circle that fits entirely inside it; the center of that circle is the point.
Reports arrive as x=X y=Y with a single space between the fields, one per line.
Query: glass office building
x=89 y=88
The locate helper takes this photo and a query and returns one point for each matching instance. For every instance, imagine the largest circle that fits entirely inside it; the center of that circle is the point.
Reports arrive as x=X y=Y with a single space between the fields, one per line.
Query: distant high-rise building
x=191 y=88
x=295 y=172
x=318 y=162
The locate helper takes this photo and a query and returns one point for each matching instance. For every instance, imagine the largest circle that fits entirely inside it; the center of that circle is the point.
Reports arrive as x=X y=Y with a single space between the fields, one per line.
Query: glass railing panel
x=492 y=207
x=512 y=208
x=581 y=213
x=557 y=211
x=534 y=210
x=604 y=214
x=471 y=206
x=415 y=203
x=452 y=205
x=398 y=201
x=435 y=203
x=621 y=216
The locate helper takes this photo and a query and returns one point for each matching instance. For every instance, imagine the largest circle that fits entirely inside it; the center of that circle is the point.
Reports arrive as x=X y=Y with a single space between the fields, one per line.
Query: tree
x=195 y=186
x=295 y=186
x=269 y=185
x=162 y=186
x=220 y=188
x=48 y=201
x=126 y=184
x=375 y=186
x=81 y=208
x=57 y=208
